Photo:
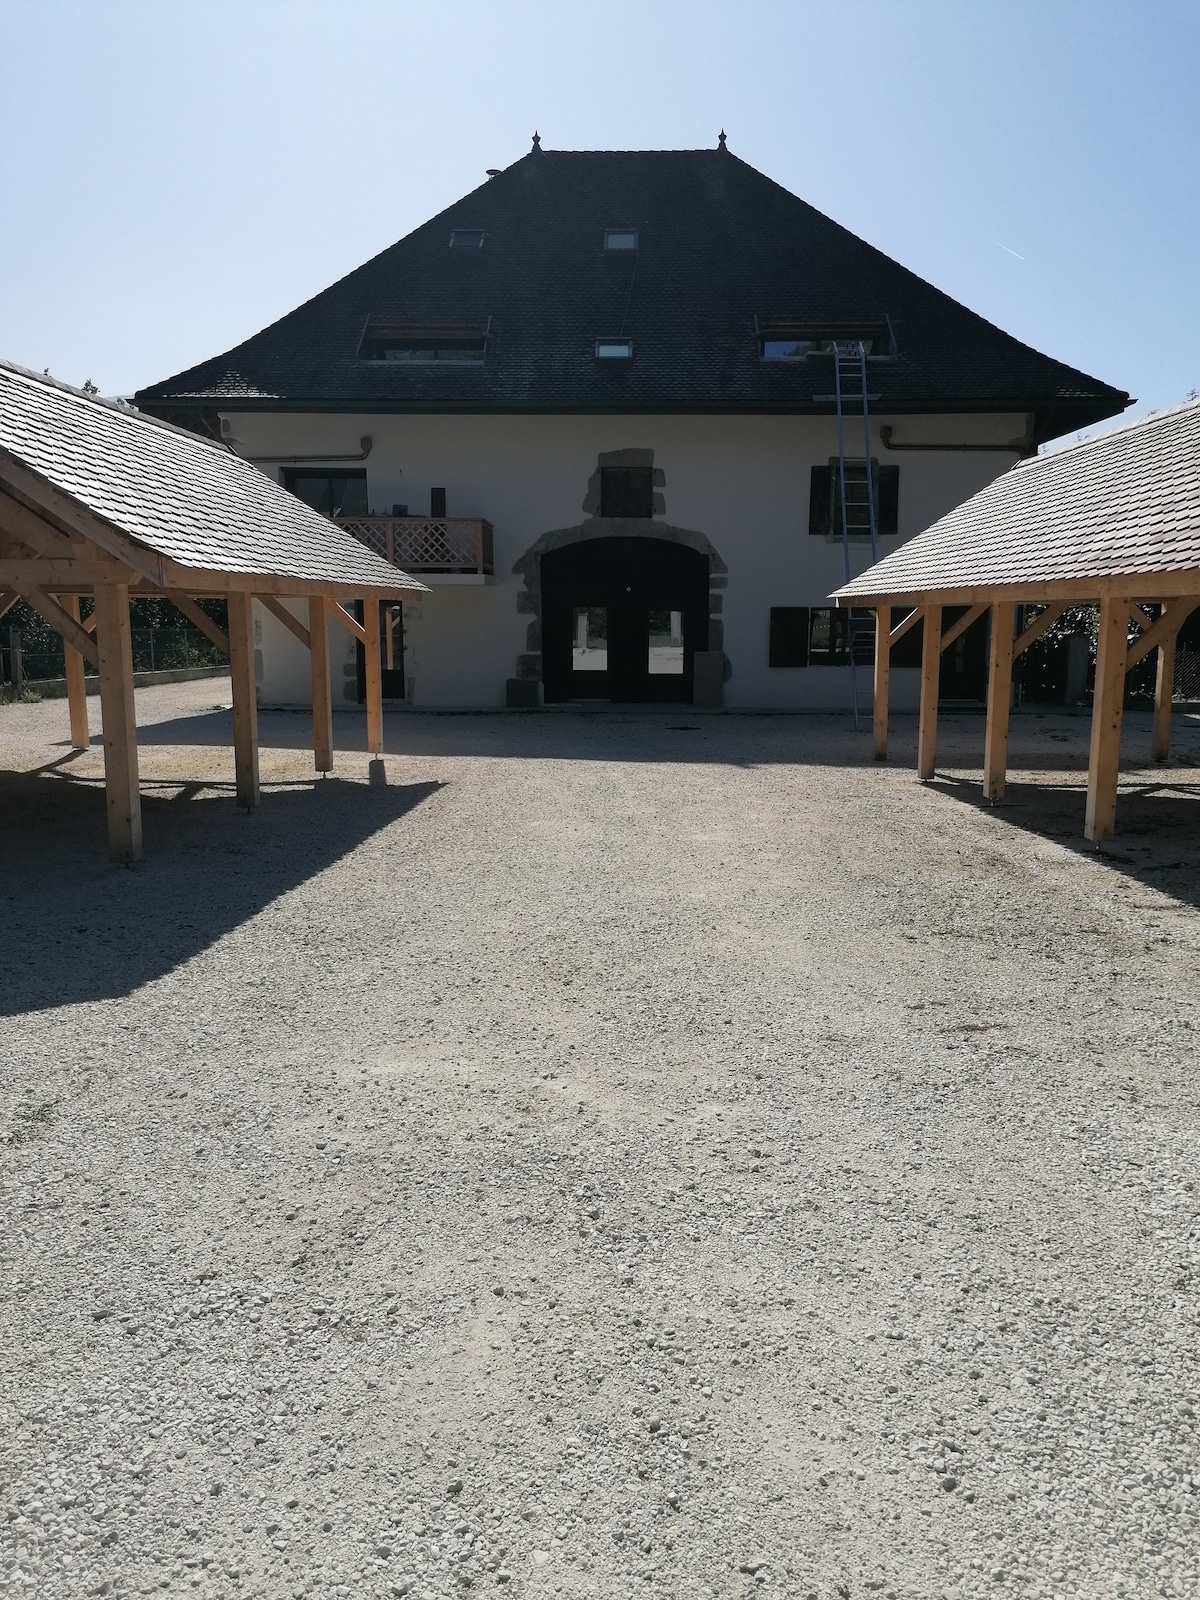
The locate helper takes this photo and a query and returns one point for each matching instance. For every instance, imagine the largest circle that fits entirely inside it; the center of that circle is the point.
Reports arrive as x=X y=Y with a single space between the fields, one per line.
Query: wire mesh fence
x=36 y=660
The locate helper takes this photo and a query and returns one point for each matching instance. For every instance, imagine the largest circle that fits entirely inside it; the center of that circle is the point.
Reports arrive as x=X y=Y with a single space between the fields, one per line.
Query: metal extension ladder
x=857 y=496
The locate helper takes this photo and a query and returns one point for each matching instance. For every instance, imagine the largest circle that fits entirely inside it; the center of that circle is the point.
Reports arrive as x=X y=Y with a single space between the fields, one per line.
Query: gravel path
x=622 y=1155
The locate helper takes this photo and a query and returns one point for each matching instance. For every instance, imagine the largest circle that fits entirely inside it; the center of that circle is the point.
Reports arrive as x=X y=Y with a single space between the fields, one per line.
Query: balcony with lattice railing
x=427 y=544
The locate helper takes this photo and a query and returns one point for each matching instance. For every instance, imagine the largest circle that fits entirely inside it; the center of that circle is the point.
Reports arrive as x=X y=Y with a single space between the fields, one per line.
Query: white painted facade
x=739 y=482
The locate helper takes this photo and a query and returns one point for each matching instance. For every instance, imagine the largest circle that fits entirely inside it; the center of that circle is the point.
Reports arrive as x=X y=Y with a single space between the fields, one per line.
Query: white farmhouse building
x=591 y=407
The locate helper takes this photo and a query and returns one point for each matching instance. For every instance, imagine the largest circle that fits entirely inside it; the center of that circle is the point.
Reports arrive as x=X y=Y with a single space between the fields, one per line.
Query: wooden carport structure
x=1115 y=522
x=97 y=499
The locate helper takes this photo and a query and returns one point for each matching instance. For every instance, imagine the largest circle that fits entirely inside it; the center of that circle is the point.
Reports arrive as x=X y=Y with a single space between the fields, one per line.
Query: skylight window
x=620 y=239
x=614 y=349
x=421 y=345
x=466 y=239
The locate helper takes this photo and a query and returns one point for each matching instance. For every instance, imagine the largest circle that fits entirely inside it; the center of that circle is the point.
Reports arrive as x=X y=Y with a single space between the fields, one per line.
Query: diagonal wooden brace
x=198 y=618
x=61 y=622
x=338 y=613
x=1175 y=614
x=1045 y=619
x=901 y=628
x=957 y=629
x=280 y=611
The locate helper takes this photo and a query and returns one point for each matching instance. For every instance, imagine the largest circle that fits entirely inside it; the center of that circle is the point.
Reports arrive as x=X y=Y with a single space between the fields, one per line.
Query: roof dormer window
x=466 y=240
x=796 y=341
x=424 y=343
x=614 y=349
x=620 y=239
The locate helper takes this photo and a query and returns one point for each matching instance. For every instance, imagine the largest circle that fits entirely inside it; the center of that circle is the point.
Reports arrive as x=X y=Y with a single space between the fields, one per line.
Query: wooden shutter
x=820 y=501
x=789 y=636
x=887 y=500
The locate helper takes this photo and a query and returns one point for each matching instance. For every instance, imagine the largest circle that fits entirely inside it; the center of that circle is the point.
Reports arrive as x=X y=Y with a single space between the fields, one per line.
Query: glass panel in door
x=665 y=653
x=589 y=639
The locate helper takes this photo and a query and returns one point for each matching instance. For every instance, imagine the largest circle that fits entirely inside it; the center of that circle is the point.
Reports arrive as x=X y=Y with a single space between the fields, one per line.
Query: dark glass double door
x=622 y=620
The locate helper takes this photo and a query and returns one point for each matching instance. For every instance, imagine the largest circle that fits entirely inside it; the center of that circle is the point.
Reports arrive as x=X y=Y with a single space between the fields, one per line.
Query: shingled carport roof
x=1123 y=506
x=1114 y=520
x=97 y=499
x=179 y=497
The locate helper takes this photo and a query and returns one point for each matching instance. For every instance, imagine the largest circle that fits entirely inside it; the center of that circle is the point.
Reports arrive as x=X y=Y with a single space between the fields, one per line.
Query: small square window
x=614 y=349
x=626 y=492
x=466 y=239
x=620 y=239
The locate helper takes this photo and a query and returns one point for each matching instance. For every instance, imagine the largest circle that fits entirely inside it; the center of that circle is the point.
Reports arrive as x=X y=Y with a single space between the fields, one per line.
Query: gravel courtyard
x=619 y=1155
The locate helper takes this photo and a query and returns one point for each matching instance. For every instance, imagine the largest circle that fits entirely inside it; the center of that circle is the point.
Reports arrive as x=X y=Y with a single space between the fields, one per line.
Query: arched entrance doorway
x=622 y=619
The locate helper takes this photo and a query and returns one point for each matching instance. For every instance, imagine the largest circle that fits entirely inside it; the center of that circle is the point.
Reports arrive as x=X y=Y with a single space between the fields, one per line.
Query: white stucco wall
x=742 y=482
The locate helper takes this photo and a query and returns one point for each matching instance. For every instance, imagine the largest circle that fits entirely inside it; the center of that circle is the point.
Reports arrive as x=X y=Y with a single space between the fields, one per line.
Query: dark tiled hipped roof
x=172 y=492
x=1126 y=503
x=720 y=246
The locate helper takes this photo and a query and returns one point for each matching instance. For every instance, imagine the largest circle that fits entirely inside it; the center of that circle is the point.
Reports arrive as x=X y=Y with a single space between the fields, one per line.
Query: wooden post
x=374 y=680
x=999 y=699
x=883 y=665
x=931 y=666
x=318 y=646
x=115 y=646
x=245 y=698
x=1105 y=756
x=1164 y=688
x=76 y=687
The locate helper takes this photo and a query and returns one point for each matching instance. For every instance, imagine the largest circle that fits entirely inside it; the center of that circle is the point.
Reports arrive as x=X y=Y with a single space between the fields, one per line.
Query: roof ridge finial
x=537 y=140
x=721 y=140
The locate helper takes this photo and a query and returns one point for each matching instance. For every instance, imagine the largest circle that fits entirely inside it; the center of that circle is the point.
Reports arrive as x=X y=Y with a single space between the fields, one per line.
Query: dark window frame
x=824 y=500
x=627 y=492
x=467 y=241
x=293 y=475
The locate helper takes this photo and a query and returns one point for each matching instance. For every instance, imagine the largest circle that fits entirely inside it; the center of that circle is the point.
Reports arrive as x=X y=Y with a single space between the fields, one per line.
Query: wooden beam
x=8 y=599
x=1164 y=689
x=999 y=700
x=280 y=611
x=199 y=619
x=63 y=576
x=76 y=687
x=213 y=581
x=901 y=628
x=120 y=724
x=931 y=662
x=351 y=624
x=883 y=673
x=1105 y=754
x=957 y=629
x=245 y=699
x=34 y=532
x=322 y=700
x=71 y=515
x=1173 y=617
x=61 y=621
x=374 y=675
x=1140 y=617
x=1045 y=619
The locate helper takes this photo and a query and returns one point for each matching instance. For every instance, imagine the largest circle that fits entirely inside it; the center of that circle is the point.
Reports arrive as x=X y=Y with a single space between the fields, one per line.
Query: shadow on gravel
x=79 y=929
x=1158 y=826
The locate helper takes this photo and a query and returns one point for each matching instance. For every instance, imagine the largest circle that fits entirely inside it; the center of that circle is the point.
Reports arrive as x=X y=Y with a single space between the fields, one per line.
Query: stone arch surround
x=529 y=567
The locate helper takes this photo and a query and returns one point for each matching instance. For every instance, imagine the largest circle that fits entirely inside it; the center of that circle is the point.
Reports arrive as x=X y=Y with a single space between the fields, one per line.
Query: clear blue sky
x=175 y=174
